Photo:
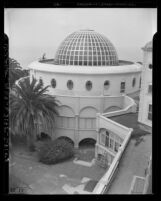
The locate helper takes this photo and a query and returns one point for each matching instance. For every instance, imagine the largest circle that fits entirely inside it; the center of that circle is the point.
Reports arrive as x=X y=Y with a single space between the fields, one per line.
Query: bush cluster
x=52 y=152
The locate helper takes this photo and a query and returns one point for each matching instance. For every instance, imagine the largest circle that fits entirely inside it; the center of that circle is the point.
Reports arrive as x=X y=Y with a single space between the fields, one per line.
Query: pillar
x=76 y=132
x=97 y=131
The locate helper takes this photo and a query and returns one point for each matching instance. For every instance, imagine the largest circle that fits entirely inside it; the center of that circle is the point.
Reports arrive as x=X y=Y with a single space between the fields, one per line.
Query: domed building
x=88 y=78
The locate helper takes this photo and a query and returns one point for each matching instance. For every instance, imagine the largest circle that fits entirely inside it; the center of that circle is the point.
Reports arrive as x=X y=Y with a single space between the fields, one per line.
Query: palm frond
x=31 y=108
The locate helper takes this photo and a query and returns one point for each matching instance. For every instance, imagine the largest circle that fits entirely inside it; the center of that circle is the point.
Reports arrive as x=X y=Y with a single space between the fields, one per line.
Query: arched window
x=106 y=84
x=133 y=82
x=53 y=83
x=70 y=84
x=88 y=85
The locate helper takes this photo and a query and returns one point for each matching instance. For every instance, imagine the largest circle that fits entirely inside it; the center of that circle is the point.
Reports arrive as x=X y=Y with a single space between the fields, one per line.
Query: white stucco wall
x=78 y=107
x=97 y=75
x=145 y=97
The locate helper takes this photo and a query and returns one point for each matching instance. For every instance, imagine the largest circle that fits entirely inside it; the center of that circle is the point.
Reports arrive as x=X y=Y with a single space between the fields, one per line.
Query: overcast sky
x=33 y=32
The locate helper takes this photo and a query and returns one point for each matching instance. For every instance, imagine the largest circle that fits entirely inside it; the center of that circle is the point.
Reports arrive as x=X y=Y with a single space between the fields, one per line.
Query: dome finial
x=87 y=29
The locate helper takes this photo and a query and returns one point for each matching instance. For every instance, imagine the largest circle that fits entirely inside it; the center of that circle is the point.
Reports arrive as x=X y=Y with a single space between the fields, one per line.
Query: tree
x=31 y=108
x=15 y=72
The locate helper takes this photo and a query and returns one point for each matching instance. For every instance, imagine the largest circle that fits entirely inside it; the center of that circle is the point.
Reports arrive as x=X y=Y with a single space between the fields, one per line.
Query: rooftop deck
x=52 y=61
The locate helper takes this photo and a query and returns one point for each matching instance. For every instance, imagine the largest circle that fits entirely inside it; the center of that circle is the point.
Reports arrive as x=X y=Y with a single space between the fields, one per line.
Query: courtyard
x=70 y=177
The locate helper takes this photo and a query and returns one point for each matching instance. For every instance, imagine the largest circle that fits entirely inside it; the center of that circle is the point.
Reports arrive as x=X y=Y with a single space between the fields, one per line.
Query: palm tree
x=31 y=109
x=15 y=72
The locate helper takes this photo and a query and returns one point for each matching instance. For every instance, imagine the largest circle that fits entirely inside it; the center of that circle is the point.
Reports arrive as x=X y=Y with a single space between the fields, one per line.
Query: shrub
x=52 y=152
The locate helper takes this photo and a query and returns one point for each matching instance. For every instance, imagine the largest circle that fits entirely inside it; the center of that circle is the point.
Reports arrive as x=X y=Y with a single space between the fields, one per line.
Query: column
x=76 y=132
x=97 y=130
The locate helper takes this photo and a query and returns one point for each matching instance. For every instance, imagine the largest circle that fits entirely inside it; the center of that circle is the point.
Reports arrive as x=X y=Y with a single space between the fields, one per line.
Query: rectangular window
x=140 y=83
x=150 y=112
x=71 y=122
x=107 y=141
x=122 y=87
x=94 y=123
x=117 y=145
x=102 y=138
x=88 y=123
x=111 y=143
x=150 y=89
x=81 y=123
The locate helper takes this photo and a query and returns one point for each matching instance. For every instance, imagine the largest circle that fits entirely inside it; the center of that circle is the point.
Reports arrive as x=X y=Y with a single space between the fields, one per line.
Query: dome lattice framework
x=86 y=48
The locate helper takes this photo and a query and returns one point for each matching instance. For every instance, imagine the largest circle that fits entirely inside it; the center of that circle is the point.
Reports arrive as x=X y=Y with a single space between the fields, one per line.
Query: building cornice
x=38 y=66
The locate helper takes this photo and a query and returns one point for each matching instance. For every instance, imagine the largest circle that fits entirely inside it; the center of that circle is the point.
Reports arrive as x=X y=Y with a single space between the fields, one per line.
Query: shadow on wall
x=87 y=142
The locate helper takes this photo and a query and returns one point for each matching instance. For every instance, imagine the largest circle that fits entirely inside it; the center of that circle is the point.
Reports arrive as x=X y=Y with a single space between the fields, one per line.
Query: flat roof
x=52 y=61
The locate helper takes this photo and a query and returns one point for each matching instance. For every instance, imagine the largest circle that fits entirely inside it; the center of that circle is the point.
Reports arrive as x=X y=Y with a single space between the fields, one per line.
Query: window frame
x=150 y=86
x=122 y=90
x=88 y=85
x=150 y=112
x=111 y=143
x=133 y=82
x=53 y=79
x=140 y=83
x=107 y=139
x=106 y=87
x=70 y=84
x=116 y=148
x=102 y=135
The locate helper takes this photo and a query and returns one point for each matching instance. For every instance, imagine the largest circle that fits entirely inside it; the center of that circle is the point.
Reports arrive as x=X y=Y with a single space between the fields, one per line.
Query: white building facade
x=87 y=78
x=145 y=105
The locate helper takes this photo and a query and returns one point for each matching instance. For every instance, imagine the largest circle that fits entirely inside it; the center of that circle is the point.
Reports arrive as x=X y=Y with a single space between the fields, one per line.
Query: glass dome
x=86 y=48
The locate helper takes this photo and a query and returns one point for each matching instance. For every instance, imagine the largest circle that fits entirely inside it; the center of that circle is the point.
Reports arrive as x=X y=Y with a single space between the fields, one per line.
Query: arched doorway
x=86 y=149
x=87 y=142
x=67 y=139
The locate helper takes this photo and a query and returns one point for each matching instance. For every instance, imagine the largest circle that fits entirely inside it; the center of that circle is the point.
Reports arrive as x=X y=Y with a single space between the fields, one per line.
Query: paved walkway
x=133 y=162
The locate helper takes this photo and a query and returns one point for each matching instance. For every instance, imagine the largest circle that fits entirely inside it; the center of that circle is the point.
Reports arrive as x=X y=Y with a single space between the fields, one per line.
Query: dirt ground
x=50 y=179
